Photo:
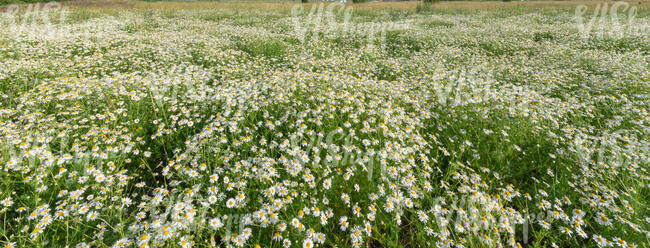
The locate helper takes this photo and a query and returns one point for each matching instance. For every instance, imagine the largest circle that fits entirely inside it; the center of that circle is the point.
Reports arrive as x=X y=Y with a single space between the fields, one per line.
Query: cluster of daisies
x=218 y=128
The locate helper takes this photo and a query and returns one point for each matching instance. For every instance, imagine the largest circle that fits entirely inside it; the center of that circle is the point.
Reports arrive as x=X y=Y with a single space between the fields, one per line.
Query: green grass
x=465 y=111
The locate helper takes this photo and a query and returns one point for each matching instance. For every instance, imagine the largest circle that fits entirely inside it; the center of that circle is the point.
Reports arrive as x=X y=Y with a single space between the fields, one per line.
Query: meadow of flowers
x=226 y=125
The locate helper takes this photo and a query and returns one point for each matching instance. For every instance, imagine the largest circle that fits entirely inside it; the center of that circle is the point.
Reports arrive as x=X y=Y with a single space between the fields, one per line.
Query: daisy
x=307 y=243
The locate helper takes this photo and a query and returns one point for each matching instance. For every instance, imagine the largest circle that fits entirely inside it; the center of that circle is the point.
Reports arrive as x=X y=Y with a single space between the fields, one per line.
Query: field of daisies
x=305 y=125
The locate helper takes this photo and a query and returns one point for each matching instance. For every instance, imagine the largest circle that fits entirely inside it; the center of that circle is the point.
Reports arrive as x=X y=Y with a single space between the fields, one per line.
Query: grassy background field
x=208 y=124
